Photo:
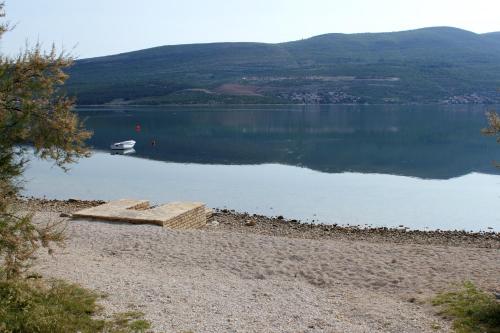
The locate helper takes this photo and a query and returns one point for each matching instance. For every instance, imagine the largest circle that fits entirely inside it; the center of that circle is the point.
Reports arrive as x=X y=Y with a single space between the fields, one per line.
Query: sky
x=90 y=28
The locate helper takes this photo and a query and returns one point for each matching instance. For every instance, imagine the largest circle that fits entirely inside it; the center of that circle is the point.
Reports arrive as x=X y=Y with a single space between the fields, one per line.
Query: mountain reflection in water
x=437 y=142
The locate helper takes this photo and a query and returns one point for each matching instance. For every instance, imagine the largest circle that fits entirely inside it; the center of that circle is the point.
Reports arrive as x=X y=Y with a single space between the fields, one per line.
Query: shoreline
x=245 y=273
x=242 y=222
x=277 y=104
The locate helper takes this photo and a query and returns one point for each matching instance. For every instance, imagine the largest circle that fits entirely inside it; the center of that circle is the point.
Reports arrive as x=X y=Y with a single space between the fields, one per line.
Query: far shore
x=285 y=104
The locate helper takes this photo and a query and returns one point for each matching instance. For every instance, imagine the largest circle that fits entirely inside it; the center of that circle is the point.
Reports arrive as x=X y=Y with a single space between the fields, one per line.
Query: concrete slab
x=176 y=215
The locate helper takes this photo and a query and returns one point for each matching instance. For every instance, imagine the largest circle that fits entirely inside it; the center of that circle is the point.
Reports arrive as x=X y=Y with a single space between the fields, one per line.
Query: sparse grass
x=436 y=326
x=56 y=306
x=472 y=310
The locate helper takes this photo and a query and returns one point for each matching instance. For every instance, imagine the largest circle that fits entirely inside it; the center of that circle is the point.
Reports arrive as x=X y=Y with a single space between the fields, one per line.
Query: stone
x=175 y=215
x=250 y=223
x=209 y=212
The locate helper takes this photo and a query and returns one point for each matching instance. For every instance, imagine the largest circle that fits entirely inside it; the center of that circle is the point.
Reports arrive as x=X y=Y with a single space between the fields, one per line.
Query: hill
x=439 y=64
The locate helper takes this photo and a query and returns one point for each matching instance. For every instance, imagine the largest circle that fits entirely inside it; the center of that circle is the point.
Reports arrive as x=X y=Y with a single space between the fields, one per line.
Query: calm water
x=422 y=167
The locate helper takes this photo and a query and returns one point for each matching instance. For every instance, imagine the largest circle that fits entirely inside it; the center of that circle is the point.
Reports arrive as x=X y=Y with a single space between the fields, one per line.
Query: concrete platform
x=176 y=215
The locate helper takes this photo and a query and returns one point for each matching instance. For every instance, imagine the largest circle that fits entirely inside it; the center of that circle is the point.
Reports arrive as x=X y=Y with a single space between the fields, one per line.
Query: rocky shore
x=230 y=220
x=246 y=273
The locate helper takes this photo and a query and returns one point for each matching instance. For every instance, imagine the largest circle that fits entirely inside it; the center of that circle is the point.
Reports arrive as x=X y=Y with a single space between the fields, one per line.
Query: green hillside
x=428 y=65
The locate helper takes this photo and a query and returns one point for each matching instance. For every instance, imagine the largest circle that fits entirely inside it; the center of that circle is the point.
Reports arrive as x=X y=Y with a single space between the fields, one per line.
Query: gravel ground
x=255 y=274
x=229 y=220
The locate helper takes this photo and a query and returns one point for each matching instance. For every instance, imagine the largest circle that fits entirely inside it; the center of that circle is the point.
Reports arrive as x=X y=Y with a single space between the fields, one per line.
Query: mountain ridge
x=427 y=65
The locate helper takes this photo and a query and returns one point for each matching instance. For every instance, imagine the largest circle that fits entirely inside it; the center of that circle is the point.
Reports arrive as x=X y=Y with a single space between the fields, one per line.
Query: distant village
x=340 y=97
x=318 y=97
x=469 y=99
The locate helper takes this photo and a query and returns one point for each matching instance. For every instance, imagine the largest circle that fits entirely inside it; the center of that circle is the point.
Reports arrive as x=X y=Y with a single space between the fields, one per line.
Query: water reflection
x=129 y=151
x=436 y=142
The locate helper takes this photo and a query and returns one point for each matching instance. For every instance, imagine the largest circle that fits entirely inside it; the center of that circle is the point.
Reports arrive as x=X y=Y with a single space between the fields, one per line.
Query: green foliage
x=34 y=112
x=431 y=64
x=472 y=310
x=127 y=322
x=36 y=307
x=20 y=239
x=493 y=128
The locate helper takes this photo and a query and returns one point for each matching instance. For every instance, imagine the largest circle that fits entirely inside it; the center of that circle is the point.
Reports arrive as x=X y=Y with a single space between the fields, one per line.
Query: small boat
x=129 y=144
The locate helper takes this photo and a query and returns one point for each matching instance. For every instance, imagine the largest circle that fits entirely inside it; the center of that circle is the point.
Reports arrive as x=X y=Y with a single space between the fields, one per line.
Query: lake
x=424 y=167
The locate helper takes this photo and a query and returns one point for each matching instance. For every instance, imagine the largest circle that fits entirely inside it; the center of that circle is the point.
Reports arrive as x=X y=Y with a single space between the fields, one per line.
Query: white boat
x=129 y=144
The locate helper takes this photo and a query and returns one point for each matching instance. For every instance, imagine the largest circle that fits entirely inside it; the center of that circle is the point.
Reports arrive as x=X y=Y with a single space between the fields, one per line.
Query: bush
x=472 y=310
x=20 y=238
x=35 y=306
x=35 y=113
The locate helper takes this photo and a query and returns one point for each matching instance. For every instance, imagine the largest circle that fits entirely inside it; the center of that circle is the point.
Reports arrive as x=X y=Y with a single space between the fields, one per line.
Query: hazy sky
x=100 y=27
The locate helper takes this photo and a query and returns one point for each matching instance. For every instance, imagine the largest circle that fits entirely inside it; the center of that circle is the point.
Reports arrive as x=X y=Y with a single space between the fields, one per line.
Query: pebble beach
x=248 y=273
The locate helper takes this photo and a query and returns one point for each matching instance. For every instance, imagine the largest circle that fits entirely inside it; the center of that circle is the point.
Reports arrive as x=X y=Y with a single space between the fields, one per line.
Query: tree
x=493 y=128
x=36 y=119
